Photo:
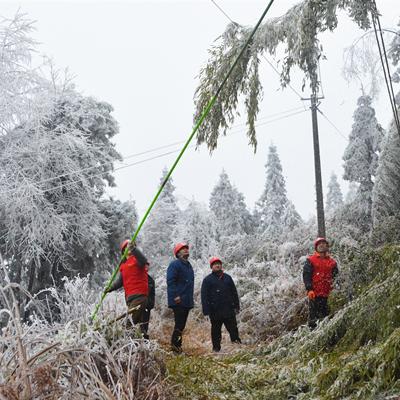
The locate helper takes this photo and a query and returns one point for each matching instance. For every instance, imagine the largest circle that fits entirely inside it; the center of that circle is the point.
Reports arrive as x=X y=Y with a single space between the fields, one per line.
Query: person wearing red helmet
x=180 y=287
x=220 y=301
x=319 y=272
x=133 y=277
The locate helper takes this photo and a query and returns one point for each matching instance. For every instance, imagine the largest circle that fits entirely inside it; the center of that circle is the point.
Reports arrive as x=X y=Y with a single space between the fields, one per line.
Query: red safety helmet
x=213 y=260
x=123 y=245
x=320 y=240
x=180 y=246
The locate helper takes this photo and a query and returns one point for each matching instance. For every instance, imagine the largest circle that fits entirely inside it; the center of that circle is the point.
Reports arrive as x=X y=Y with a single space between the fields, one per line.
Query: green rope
x=196 y=127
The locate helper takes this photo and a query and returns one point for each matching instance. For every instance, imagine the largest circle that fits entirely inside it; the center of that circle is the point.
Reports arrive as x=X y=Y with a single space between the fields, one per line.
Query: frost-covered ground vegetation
x=59 y=237
x=354 y=355
x=59 y=354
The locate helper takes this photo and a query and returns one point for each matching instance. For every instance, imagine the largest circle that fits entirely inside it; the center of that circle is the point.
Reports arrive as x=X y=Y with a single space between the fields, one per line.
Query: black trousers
x=180 y=316
x=136 y=309
x=318 y=309
x=216 y=326
x=144 y=325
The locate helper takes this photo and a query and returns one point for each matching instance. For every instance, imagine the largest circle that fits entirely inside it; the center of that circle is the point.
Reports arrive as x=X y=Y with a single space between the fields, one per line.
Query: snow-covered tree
x=157 y=238
x=52 y=178
x=394 y=54
x=291 y=218
x=351 y=194
x=229 y=208
x=362 y=152
x=334 y=197
x=196 y=226
x=386 y=199
x=273 y=209
x=119 y=224
x=386 y=195
x=24 y=93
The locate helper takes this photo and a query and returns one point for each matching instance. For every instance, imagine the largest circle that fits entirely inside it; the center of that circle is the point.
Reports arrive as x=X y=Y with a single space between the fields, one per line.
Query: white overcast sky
x=143 y=58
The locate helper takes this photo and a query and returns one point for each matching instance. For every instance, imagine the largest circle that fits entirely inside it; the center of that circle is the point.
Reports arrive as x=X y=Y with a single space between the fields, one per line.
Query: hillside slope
x=354 y=355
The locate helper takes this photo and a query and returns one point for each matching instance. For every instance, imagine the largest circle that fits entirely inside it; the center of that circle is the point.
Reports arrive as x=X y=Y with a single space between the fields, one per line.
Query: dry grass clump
x=65 y=356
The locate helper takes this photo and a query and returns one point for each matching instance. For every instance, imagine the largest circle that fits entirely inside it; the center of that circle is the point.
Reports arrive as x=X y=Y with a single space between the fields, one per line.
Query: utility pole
x=317 y=165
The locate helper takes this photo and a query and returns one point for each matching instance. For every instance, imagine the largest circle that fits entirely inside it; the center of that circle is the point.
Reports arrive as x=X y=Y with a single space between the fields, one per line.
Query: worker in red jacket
x=133 y=278
x=319 y=272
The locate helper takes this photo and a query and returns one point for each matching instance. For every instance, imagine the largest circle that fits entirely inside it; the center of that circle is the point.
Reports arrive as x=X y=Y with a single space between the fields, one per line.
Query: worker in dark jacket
x=220 y=302
x=180 y=286
x=319 y=272
x=133 y=277
x=144 y=326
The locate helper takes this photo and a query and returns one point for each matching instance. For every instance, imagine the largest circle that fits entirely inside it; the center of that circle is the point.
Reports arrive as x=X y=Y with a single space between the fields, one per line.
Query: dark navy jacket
x=219 y=296
x=180 y=282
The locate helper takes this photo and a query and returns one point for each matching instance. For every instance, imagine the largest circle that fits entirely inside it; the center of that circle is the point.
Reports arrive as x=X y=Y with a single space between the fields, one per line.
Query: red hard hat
x=318 y=241
x=123 y=245
x=213 y=260
x=179 y=246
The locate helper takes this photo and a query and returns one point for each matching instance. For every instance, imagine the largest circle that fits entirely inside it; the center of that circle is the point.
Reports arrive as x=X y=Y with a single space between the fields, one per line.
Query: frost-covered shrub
x=235 y=249
x=73 y=358
x=353 y=355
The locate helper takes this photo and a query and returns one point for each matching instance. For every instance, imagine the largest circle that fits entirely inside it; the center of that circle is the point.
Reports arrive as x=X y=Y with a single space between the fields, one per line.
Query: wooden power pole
x=317 y=166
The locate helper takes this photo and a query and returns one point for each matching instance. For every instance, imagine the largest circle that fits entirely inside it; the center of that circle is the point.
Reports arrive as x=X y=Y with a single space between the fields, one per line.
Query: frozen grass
x=354 y=355
x=69 y=358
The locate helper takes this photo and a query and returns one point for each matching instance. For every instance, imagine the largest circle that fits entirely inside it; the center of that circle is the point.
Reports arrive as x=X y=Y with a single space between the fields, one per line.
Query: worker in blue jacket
x=220 y=301
x=180 y=287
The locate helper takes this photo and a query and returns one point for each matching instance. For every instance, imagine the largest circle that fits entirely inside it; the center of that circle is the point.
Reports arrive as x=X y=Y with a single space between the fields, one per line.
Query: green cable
x=196 y=127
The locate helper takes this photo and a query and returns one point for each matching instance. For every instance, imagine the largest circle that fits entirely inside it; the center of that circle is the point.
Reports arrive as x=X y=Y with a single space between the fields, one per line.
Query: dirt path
x=197 y=340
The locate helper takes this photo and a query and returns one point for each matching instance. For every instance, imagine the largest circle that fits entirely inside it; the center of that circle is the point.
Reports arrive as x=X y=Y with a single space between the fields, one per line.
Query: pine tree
x=386 y=195
x=351 y=194
x=394 y=54
x=120 y=222
x=229 y=208
x=274 y=210
x=158 y=231
x=334 y=197
x=361 y=154
x=291 y=218
x=196 y=226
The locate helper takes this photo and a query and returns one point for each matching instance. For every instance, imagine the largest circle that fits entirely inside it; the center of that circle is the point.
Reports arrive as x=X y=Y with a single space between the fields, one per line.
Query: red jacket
x=134 y=277
x=319 y=273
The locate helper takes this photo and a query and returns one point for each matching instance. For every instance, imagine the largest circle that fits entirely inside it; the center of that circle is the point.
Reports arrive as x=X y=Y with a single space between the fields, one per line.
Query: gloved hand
x=131 y=246
x=311 y=294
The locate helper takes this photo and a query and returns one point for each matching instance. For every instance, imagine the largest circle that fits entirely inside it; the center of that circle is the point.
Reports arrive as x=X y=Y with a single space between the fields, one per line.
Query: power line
x=262 y=55
x=385 y=66
x=288 y=115
x=290 y=86
x=223 y=12
x=332 y=124
x=102 y=173
x=285 y=112
x=147 y=151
